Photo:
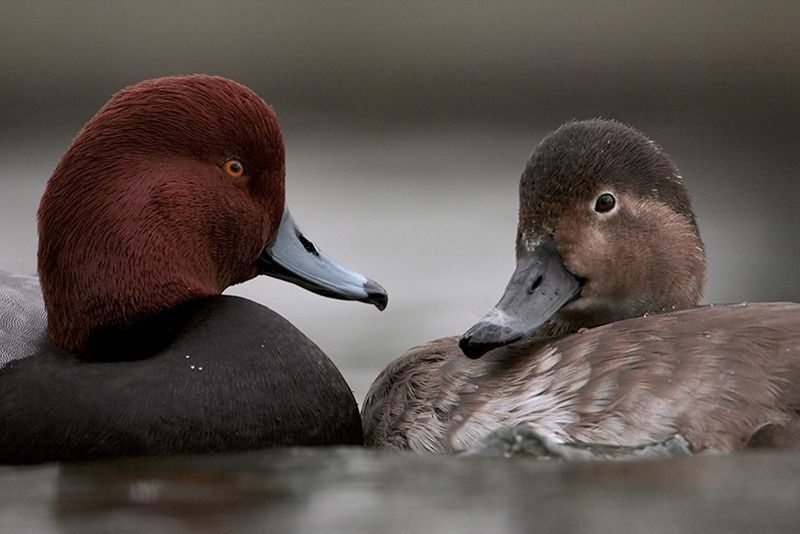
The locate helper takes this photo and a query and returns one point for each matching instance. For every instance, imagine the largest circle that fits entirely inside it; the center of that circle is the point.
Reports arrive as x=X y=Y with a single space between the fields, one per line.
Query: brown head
x=606 y=232
x=174 y=190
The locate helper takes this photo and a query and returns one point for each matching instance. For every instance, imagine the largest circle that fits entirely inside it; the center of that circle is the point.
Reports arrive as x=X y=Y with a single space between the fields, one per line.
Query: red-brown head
x=170 y=192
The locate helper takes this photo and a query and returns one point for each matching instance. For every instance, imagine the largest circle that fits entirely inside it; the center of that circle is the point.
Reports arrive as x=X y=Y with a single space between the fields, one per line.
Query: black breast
x=218 y=374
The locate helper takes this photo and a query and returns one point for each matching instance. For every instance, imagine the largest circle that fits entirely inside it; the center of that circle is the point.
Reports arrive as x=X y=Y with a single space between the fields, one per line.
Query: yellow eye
x=234 y=168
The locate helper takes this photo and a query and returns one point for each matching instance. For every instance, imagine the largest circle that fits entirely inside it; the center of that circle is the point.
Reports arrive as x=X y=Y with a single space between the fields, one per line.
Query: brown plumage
x=723 y=377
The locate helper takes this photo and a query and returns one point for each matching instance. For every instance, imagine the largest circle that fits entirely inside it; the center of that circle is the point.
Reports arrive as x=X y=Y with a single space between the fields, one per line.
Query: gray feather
x=23 y=321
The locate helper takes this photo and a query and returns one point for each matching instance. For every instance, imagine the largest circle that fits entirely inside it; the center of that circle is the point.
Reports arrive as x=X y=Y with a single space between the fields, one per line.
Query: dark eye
x=605 y=203
x=234 y=168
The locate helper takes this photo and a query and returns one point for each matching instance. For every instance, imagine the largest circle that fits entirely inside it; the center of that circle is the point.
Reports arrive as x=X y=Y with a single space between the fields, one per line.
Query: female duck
x=171 y=193
x=606 y=237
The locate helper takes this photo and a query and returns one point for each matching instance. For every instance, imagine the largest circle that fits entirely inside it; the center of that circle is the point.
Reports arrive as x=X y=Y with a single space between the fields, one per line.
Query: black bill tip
x=483 y=337
x=474 y=350
x=376 y=294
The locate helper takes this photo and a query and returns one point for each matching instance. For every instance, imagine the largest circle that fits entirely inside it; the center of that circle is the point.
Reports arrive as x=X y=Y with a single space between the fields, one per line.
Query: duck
x=598 y=337
x=124 y=344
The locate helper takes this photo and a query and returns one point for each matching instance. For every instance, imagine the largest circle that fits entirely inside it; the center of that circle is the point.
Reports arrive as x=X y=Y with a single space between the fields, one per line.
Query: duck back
x=724 y=377
x=216 y=374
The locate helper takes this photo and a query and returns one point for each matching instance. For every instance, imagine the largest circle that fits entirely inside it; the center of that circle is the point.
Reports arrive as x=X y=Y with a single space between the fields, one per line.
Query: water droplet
x=187 y=356
x=191 y=367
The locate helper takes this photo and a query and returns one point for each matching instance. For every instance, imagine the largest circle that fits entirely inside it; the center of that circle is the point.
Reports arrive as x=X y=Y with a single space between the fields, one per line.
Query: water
x=351 y=490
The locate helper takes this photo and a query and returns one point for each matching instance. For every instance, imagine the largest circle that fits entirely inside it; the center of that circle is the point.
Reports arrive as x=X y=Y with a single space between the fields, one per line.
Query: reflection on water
x=352 y=490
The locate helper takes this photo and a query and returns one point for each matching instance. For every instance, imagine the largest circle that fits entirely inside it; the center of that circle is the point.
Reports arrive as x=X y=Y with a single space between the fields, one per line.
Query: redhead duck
x=590 y=342
x=171 y=193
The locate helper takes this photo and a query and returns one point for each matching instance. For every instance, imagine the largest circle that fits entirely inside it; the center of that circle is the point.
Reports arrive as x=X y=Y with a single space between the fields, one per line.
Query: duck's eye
x=605 y=203
x=234 y=168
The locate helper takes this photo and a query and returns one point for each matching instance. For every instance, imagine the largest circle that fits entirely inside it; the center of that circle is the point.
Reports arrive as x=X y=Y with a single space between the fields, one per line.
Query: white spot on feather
x=548 y=360
x=530 y=242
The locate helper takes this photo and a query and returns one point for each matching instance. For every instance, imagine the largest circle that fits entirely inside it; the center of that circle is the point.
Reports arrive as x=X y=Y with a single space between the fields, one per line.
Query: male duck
x=606 y=237
x=172 y=192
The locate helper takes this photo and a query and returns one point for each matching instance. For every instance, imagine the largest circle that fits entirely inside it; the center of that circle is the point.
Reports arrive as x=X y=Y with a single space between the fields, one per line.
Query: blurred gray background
x=407 y=125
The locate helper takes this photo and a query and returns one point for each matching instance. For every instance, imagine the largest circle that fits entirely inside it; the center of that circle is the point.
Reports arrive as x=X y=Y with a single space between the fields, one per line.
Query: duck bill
x=294 y=258
x=540 y=286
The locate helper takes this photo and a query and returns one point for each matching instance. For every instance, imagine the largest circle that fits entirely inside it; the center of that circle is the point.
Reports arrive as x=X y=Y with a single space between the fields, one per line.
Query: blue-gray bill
x=540 y=286
x=292 y=257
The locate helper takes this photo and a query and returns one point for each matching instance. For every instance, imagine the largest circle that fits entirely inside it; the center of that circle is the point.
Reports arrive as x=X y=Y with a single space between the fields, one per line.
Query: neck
x=82 y=313
x=104 y=266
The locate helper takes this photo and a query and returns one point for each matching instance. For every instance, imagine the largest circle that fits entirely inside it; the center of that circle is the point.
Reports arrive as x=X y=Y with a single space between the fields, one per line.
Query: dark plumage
x=216 y=374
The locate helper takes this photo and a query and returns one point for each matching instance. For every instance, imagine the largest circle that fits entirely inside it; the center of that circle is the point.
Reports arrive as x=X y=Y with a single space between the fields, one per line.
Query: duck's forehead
x=556 y=180
x=579 y=161
x=197 y=114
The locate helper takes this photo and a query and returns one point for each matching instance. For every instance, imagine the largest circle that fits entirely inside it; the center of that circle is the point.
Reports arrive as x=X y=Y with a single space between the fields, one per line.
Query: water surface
x=353 y=490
